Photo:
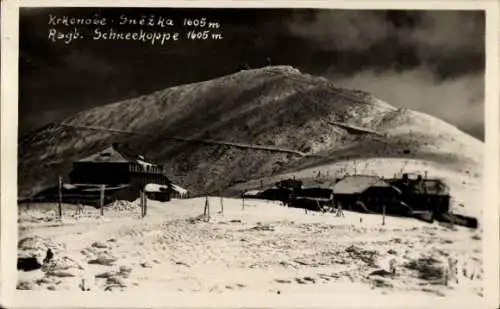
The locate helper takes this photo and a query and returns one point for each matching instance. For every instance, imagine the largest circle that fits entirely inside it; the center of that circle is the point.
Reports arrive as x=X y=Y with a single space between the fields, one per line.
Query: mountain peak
x=250 y=124
x=284 y=69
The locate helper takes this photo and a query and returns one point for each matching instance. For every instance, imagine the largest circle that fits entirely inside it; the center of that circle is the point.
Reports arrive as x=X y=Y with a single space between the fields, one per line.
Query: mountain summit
x=253 y=124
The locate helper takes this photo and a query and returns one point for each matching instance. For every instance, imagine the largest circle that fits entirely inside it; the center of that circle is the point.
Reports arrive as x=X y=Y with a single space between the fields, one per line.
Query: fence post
x=206 y=210
x=101 y=203
x=208 y=206
x=145 y=196
x=383 y=214
x=221 y=205
x=141 y=203
x=143 y=211
x=60 y=197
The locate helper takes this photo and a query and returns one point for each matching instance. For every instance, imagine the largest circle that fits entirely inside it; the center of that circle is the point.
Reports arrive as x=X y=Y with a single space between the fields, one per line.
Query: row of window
x=153 y=169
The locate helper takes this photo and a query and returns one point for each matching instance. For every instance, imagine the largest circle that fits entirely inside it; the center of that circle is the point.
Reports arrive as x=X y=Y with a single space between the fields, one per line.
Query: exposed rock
x=61 y=264
x=99 y=245
x=381 y=273
x=260 y=227
x=146 y=265
x=120 y=206
x=24 y=285
x=37 y=247
x=103 y=260
x=28 y=263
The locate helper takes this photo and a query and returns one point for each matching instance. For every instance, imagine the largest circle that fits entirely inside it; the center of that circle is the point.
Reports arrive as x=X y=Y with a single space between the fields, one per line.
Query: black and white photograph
x=272 y=151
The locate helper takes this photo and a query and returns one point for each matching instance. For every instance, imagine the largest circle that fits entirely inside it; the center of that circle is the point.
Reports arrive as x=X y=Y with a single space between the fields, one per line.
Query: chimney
x=405 y=177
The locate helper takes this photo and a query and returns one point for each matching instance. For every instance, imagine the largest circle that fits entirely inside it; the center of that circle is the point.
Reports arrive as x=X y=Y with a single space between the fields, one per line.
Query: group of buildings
x=124 y=175
x=405 y=196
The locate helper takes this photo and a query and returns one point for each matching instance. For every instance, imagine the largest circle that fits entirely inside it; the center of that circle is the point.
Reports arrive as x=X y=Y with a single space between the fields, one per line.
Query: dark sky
x=432 y=61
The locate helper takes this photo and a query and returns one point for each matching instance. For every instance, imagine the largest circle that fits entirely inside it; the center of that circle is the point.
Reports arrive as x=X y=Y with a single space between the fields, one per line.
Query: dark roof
x=109 y=154
x=359 y=183
x=435 y=186
x=289 y=183
x=426 y=186
x=115 y=153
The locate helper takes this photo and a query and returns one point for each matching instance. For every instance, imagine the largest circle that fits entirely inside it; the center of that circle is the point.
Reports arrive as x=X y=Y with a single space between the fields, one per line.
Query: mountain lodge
x=117 y=165
x=401 y=196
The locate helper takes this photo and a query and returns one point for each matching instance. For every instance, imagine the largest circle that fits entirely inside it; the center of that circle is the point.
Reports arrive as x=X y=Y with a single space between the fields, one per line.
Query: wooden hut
x=312 y=198
x=276 y=194
x=290 y=184
x=369 y=194
x=157 y=192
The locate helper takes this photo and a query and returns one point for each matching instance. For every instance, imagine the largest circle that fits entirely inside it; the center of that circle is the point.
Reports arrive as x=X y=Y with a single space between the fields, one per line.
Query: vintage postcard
x=247 y=154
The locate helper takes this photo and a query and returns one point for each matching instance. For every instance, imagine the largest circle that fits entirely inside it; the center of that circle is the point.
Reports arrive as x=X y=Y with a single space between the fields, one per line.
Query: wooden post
x=143 y=204
x=145 y=196
x=101 y=203
x=60 y=197
x=392 y=267
x=221 y=205
x=319 y=206
x=383 y=214
x=141 y=201
x=206 y=210
x=243 y=203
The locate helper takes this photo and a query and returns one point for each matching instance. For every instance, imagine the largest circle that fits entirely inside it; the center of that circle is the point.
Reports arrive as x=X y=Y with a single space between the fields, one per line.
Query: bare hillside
x=274 y=106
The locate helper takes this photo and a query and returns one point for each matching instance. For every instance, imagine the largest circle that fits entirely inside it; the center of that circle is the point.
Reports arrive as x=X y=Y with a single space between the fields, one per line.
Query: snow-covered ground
x=261 y=248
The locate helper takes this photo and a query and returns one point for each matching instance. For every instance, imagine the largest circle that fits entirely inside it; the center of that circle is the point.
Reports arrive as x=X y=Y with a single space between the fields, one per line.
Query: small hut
x=158 y=192
x=290 y=184
x=312 y=198
x=179 y=192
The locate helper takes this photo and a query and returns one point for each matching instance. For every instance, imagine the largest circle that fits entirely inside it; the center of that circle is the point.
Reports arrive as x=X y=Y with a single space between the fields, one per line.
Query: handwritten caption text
x=151 y=29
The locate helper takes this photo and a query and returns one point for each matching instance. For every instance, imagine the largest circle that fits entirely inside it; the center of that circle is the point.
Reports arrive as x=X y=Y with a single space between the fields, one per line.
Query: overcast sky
x=431 y=61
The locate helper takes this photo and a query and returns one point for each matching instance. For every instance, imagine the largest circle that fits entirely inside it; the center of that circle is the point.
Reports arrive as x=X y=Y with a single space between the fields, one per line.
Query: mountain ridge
x=272 y=106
